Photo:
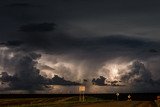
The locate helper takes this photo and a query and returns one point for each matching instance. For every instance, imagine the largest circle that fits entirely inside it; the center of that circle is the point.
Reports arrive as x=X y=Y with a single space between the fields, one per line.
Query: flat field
x=72 y=101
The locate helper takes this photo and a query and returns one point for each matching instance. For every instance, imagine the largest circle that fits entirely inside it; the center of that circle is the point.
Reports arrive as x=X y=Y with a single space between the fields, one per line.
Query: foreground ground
x=72 y=102
x=121 y=104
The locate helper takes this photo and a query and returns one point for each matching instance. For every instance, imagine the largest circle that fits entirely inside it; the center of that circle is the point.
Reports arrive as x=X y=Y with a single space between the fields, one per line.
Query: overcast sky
x=79 y=39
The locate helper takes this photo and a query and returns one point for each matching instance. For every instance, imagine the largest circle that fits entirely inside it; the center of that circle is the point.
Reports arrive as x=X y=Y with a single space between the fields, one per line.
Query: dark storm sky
x=83 y=17
x=79 y=39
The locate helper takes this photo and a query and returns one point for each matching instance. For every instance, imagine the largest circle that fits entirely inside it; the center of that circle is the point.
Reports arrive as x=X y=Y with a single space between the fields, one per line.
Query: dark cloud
x=122 y=45
x=137 y=73
x=5 y=77
x=94 y=51
x=11 y=43
x=153 y=50
x=102 y=81
x=26 y=76
x=89 y=34
x=39 y=27
x=107 y=46
x=19 y=5
x=56 y=80
x=36 y=36
x=99 y=81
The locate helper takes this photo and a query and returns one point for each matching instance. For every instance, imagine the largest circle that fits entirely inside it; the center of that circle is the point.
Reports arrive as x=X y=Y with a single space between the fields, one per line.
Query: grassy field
x=47 y=102
x=71 y=102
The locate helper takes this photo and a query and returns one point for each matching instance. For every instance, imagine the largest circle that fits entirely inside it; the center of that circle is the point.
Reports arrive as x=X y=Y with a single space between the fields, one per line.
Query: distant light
x=82 y=88
x=129 y=96
x=117 y=94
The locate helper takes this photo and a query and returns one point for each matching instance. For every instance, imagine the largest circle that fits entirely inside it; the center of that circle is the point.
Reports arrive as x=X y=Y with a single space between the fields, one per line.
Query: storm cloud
x=138 y=73
x=42 y=27
x=74 y=58
x=64 y=42
x=24 y=75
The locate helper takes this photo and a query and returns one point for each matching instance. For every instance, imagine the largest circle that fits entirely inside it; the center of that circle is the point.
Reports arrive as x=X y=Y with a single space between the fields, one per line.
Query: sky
x=108 y=43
